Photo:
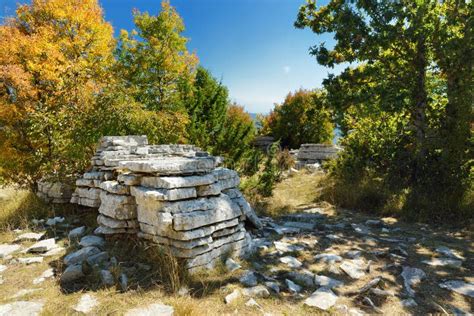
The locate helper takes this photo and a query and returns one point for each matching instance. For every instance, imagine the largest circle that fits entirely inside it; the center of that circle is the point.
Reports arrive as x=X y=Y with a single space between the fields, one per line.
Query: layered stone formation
x=173 y=195
x=309 y=154
x=54 y=192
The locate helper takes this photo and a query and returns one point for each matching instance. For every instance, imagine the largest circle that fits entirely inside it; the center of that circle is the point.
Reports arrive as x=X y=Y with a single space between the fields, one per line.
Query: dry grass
x=298 y=190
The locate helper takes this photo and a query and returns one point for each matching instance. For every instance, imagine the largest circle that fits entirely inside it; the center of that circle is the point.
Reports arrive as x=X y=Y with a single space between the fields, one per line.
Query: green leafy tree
x=207 y=110
x=399 y=90
x=153 y=61
x=302 y=118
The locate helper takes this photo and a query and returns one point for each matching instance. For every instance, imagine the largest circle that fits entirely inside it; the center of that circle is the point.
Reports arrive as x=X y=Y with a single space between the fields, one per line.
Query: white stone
x=151 y=310
x=327 y=282
x=92 y=241
x=292 y=286
x=209 y=189
x=188 y=221
x=43 y=245
x=252 y=303
x=21 y=308
x=412 y=276
x=86 y=304
x=458 y=286
x=147 y=195
x=77 y=232
x=322 y=298
x=6 y=249
x=170 y=166
x=114 y=187
x=53 y=252
x=49 y=273
x=256 y=291
x=449 y=252
x=283 y=247
x=290 y=261
x=232 y=296
x=3 y=267
x=177 y=182
x=354 y=268
x=443 y=262
x=30 y=260
x=328 y=257
x=30 y=236
x=118 y=206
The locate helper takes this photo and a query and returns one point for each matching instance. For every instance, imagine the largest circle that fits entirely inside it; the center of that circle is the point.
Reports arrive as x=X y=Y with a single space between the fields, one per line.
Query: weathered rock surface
x=86 y=304
x=151 y=310
x=6 y=250
x=21 y=308
x=323 y=298
x=460 y=287
x=412 y=276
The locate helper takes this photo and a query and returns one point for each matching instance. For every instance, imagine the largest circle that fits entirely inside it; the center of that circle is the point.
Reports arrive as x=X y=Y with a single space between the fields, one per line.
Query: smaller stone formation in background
x=172 y=195
x=54 y=192
x=314 y=154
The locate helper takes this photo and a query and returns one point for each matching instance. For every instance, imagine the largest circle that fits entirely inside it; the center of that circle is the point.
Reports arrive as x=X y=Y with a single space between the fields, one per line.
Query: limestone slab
x=177 y=182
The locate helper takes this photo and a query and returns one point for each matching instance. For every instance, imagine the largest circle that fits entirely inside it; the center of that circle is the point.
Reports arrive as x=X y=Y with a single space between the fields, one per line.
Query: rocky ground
x=311 y=260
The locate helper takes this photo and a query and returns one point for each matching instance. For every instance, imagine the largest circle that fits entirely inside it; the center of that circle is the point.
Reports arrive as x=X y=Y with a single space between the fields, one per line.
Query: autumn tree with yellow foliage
x=54 y=59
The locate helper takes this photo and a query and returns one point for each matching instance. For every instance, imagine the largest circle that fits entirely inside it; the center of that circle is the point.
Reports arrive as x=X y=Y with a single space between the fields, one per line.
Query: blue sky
x=251 y=45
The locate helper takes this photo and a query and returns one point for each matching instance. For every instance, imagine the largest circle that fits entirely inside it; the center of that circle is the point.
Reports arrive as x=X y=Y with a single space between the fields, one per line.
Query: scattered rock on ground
x=327 y=282
x=43 y=245
x=21 y=308
x=45 y=275
x=443 y=262
x=328 y=257
x=293 y=287
x=107 y=278
x=30 y=260
x=304 y=277
x=231 y=265
x=290 y=261
x=248 y=279
x=54 y=221
x=6 y=250
x=80 y=255
x=256 y=291
x=458 y=286
x=2 y=267
x=354 y=268
x=232 y=296
x=412 y=276
x=449 y=252
x=151 y=310
x=72 y=273
x=77 y=233
x=29 y=236
x=86 y=304
x=92 y=241
x=323 y=298
x=274 y=286
x=252 y=303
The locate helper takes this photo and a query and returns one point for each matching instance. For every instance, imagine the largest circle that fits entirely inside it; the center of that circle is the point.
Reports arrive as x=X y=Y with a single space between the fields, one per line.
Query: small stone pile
x=173 y=195
x=310 y=154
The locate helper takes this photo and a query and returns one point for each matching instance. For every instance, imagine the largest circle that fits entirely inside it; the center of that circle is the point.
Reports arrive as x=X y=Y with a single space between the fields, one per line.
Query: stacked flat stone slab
x=173 y=195
x=316 y=153
x=54 y=192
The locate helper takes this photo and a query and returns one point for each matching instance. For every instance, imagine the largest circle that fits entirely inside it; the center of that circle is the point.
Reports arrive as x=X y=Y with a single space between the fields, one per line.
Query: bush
x=302 y=118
